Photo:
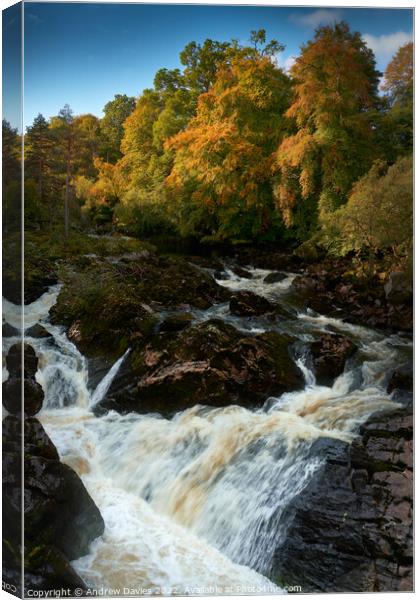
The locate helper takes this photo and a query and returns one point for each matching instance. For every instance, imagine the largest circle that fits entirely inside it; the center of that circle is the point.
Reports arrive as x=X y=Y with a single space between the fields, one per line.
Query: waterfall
x=104 y=385
x=198 y=500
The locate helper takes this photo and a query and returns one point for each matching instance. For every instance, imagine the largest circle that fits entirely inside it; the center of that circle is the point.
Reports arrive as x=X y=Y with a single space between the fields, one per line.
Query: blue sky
x=83 y=54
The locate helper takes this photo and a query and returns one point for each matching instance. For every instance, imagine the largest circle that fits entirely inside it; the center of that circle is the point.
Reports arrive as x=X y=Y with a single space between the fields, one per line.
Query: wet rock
x=36 y=286
x=210 y=363
x=275 y=277
x=14 y=361
x=49 y=569
x=107 y=307
x=351 y=527
x=176 y=322
x=401 y=379
x=207 y=262
x=9 y=331
x=398 y=289
x=330 y=353
x=241 y=272
x=246 y=304
x=221 y=275
x=61 y=519
x=37 y=331
x=269 y=257
x=12 y=396
x=304 y=283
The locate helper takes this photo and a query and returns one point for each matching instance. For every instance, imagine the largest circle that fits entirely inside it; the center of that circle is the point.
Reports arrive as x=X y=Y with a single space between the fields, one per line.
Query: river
x=194 y=504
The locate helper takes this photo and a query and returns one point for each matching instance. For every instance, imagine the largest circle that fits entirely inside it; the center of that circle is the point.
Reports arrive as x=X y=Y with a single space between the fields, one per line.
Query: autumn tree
x=398 y=76
x=394 y=126
x=100 y=195
x=335 y=90
x=220 y=184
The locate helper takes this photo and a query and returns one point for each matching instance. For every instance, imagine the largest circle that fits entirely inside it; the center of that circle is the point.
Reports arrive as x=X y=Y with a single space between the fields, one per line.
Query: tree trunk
x=66 y=206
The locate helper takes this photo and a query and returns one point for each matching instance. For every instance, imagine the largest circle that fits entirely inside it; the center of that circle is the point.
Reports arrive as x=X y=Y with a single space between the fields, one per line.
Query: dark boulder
x=351 y=527
x=49 y=570
x=330 y=353
x=176 y=322
x=37 y=331
x=61 y=519
x=241 y=272
x=275 y=277
x=398 y=288
x=9 y=331
x=14 y=361
x=209 y=363
x=221 y=275
x=246 y=304
x=401 y=379
x=305 y=284
x=32 y=393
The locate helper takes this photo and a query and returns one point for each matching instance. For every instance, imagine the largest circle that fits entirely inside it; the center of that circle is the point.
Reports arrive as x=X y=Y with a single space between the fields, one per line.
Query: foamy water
x=195 y=504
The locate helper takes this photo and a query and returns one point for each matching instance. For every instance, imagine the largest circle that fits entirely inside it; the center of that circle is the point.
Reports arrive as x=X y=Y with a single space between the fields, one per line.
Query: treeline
x=233 y=148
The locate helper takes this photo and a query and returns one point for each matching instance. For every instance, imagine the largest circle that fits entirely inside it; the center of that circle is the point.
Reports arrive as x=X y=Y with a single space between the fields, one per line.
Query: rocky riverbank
x=339 y=286
x=61 y=519
x=350 y=527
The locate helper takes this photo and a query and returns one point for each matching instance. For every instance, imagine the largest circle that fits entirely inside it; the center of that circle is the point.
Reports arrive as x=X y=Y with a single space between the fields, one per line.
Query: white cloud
x=285 y=62
x=385 y=46
x=289 y=62
x=323 y=16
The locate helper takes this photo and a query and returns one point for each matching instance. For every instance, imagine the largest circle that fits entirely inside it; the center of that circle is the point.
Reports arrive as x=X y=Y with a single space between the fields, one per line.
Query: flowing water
x=195 y=504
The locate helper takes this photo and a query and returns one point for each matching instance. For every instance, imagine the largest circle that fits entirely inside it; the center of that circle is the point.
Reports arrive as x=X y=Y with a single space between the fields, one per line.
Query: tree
x=112 y=124
x=89 y=142
x=221 y=179
x=202 y=62
x=99 y=197
x=65 y=135
x=378 y=215
x=168 y=81
x=398 y=76
x=394 y=127
x=137 y=143
x=11 y=151
x=11 y=180
x=258 y=38
x=39 y=150
x=335 y=86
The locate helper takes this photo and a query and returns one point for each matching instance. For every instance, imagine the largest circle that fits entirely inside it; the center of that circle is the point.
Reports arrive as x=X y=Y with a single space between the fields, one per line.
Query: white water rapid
x=194 y=504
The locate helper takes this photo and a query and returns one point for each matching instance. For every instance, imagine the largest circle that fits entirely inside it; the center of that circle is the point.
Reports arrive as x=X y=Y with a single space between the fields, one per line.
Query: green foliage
x=39 y=158
x=116 y=111
x=230 y=147
x=378 y=215
x=394 y=126
x=140 y=215
x=11 y=177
